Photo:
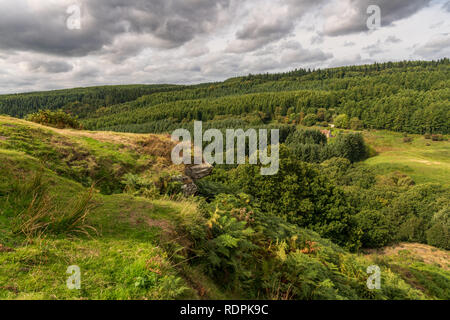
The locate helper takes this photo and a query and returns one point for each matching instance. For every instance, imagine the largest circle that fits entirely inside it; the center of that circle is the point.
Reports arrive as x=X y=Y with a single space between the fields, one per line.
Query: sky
x=55 y=44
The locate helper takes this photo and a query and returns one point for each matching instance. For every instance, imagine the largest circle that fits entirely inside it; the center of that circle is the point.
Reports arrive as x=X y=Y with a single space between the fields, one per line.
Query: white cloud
x=191 y=41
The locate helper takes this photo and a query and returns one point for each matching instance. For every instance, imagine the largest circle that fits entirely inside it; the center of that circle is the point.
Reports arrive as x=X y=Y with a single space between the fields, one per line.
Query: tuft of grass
x=42 y=216
x=74 y=220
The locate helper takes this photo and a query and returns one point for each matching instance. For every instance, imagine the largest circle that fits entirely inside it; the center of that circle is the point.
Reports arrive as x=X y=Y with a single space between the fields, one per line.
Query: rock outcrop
x=199 y=171
x=193 y=173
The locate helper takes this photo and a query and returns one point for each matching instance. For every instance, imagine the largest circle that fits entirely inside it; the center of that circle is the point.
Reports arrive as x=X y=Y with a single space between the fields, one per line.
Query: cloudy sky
x=192 y=41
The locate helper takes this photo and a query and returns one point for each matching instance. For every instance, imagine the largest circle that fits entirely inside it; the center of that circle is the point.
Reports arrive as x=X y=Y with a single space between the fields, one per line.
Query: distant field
x=424 y=163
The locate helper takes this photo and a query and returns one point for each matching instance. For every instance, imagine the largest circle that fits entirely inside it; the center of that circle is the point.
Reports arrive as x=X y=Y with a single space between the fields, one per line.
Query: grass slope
x=127 y=256
x=424 y=160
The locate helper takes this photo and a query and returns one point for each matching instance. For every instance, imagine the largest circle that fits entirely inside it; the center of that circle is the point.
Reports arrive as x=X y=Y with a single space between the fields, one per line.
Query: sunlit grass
x=424 y=160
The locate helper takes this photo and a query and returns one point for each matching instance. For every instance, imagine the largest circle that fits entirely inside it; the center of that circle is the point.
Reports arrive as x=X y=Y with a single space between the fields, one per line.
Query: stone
x=199 y=171
x=190 y=189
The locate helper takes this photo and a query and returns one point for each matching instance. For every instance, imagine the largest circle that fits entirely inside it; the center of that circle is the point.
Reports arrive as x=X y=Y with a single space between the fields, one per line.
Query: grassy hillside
x=66 y=199
x=422 y=159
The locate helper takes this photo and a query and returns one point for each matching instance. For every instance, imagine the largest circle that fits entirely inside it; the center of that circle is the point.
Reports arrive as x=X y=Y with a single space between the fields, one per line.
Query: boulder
x=199 y=171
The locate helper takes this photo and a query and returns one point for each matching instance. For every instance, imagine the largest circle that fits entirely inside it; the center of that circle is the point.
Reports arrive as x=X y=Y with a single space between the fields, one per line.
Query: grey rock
x=189 y=189
x=199 y=171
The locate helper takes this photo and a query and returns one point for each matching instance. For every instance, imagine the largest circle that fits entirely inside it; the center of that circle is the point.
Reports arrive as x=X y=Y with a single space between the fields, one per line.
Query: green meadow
x=422 y=159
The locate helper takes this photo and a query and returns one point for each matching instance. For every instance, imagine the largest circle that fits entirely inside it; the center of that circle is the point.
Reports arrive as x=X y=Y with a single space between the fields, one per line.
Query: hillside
x=422 y=159
x=107 y=202
x=410 y=96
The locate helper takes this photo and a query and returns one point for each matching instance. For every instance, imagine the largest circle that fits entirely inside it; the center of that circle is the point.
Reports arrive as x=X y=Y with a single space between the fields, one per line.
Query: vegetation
x=410 y=96
x=58 y=119
x=345 y=198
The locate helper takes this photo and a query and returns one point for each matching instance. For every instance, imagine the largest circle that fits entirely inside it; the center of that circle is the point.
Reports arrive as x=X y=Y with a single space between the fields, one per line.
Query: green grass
x=130 y=256
x=109 y=270
x=129 y=247
x=432 y=278
x=424 y=163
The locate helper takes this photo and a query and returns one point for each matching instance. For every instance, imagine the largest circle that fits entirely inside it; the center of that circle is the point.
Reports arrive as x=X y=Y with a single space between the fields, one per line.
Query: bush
x=375 y=228
x=407 y=139
x=209 y=189
x=439 y=233
x=356 y=124
x=310 y=120
x=58 y=119
x=350 y=146
x=307 y=136
x=438 y=137
x=413 y=213
x=342 y=121
x=439 y=236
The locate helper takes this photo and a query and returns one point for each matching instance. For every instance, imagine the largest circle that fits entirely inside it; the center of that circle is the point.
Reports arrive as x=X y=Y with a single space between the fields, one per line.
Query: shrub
x=342 y=121
x=209 y=189
x=438 y=137
x=58 y=119
x=407 y=139
x=307 y=136
x=439 y=233
x=375 y=228
x=310 y=120
x=356 y=124
x=350 y=146
x=412 y=213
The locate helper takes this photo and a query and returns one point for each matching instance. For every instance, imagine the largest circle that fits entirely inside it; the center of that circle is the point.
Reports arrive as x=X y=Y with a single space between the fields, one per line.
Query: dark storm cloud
x=391 y=11
x=44 y=31
x=171 y=23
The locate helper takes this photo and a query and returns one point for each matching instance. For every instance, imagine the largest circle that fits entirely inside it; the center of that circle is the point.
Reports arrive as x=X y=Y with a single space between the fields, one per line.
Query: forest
x=410 y=96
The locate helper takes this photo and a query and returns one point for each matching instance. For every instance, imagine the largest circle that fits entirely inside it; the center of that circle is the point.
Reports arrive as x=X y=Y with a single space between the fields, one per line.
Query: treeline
x=405 y=111
x=410 y=96
x=79 y=101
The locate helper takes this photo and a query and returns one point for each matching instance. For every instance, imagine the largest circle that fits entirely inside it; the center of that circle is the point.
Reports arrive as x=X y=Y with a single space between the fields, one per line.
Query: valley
x=87 y=180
